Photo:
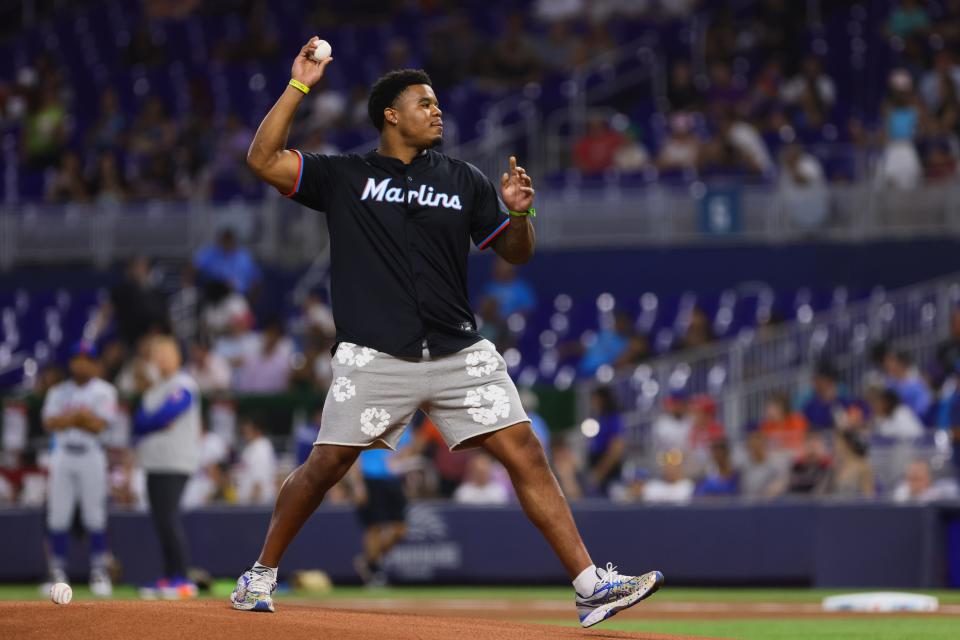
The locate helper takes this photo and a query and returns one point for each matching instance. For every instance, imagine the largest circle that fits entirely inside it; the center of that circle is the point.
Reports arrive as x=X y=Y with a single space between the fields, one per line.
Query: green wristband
x=523 y=214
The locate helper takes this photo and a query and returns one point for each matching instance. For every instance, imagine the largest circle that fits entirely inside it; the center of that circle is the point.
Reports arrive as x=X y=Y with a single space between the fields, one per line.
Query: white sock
x=272 y=570
x=585 y=583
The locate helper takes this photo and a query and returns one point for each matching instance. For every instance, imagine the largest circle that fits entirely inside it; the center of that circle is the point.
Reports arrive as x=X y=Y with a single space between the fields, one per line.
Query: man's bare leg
x=301 y=494
x=519 y=451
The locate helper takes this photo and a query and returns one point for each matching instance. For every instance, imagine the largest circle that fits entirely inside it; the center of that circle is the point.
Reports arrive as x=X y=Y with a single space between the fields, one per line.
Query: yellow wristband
x=296 y=84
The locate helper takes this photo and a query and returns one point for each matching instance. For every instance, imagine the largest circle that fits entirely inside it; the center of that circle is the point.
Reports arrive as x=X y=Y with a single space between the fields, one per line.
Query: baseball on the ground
x=61 y=593
x=323 y=50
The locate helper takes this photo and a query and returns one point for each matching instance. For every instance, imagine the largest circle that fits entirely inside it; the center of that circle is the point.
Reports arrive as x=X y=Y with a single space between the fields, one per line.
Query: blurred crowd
x=765 y=105
x=899 y=440
x=762 y=103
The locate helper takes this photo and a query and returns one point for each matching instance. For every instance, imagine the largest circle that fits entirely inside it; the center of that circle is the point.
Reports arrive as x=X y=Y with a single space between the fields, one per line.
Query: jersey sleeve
x=489 y=216
x=106 y=407
x=52 y=404
x=316 y=178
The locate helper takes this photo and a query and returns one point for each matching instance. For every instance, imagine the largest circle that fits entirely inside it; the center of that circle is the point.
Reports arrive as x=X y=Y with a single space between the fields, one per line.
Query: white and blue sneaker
x=614 y=592
x=254 y=591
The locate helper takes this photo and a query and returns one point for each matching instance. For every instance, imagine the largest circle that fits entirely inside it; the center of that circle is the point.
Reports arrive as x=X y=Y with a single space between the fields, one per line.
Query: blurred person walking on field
x=400 y=219
x=167 y=425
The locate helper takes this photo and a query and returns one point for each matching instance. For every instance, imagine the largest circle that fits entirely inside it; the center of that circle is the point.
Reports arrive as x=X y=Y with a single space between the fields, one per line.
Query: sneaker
x=614 y=592
x=100 y=583
x=254 y=591
x=153 y=590
x=178 y=589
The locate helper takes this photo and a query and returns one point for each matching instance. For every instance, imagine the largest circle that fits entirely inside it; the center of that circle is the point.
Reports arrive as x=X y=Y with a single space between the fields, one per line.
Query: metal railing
x=742 y=373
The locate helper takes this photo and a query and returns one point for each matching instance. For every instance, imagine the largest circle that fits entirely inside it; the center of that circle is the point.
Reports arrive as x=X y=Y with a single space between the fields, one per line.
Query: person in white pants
x=75 y=412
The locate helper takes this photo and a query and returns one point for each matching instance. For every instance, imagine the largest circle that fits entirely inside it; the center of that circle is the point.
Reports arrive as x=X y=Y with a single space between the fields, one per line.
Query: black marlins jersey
x=399 y=237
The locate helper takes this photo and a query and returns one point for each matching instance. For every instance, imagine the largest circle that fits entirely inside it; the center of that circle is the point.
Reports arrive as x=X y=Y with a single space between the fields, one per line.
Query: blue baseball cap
x=83 y=348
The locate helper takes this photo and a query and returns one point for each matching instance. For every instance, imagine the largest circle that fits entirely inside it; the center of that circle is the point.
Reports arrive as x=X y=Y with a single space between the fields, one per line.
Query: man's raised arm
x=268 y=156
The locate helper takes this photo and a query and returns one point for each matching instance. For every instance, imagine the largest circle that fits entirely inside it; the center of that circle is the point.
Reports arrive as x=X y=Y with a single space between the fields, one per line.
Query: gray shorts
x=374 y=395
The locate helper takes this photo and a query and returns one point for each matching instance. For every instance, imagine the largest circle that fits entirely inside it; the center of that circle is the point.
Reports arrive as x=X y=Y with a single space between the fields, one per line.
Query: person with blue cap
x=75 y=414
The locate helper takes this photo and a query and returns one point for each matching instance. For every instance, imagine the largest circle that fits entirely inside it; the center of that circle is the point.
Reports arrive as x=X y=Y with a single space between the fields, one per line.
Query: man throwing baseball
x=401 y=219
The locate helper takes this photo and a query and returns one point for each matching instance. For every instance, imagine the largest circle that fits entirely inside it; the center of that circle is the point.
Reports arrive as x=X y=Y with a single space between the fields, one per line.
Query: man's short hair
x=387 y=88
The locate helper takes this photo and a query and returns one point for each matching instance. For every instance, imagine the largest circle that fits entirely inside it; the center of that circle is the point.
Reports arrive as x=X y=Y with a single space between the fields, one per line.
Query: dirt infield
x=650 y=610
x=213 y=620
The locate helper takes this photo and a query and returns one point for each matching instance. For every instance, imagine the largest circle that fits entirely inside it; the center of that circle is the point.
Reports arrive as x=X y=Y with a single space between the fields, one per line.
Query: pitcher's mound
x=214 y=620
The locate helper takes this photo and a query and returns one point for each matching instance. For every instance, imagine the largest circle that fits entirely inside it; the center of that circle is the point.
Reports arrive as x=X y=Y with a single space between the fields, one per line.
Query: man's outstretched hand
x=305 y=68
x=516 y=187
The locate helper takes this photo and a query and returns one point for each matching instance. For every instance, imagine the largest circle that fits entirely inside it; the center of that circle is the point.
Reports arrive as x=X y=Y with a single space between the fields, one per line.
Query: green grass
x=913 y=628
x=865 y=628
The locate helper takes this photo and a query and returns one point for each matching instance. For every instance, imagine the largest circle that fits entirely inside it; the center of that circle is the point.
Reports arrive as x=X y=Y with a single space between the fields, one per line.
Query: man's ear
x=390 y=115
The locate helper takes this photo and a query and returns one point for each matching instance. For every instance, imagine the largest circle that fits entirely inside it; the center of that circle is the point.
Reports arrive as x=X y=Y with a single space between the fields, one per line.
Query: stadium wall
x=820 y=545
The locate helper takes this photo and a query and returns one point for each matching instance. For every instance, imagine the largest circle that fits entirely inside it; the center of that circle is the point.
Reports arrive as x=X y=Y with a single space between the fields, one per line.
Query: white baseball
x=61 y=593
x=323 y=50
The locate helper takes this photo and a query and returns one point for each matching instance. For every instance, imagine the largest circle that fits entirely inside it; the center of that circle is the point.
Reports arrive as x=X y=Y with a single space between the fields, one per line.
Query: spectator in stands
x=514 y=60
x=211 y=371
x=208 y=484
x=451 y=54
x=44 y=131
x=108 y=132
x=809 y=470
x=136 y=305
x=631 y=156
x=267 y=368
x=559 y=48
x=803 y=186
x=107 y=184
x=737 y=147
x=767 y=87
x=940 y=86
x=153 y=133
x=918 y=485
x=143 y=48
x=672 y=487
x=616 y=346
x=828 y=408
x=893 y=418
x=479 y=486
x=851 y=476
x=782 y=427
x=672 y=428
x=256 y=473
x=512 y=294
x=682 y=92
x=318 y=317
x=67 y=184
x=810 y=94
x=906 y=380
x=900 y=166
x=239 y=344
x=594 y=152
x=908 y=18
x=492 y=325
x=721 y=478
x=726 y=91
x=761 y=478
x=184 y=307
x=704 y=432
x=230 y=156
x=224 y=311
x=607 y=445
x=948 y=351
x=699 y=331
x=228 y=262
x=681 y=150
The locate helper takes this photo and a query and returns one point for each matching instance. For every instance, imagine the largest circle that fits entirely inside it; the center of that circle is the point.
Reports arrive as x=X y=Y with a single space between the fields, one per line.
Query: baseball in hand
x=61 y=593
x=323 y=50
